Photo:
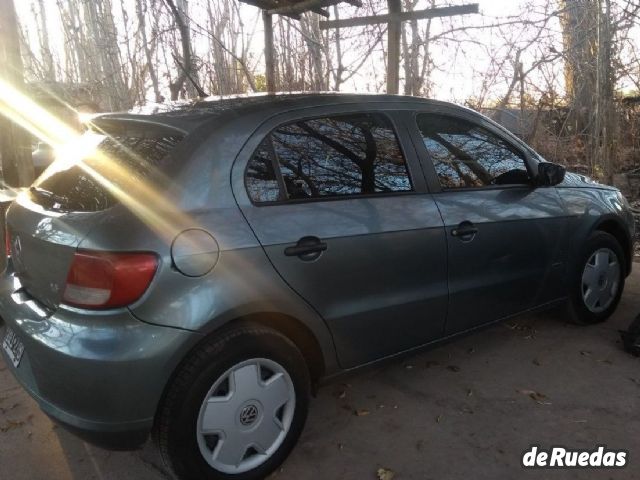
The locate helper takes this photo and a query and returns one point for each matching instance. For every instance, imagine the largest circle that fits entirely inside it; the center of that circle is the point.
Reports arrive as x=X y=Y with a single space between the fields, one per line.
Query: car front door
x=505 y=236
x=342 y=212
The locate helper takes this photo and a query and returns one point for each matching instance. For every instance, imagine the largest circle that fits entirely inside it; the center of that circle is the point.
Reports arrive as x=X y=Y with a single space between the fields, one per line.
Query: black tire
x=178 y=415
x=579 y=313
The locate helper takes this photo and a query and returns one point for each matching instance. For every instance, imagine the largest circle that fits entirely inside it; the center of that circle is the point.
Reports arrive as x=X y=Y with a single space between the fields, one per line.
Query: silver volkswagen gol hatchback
x=196 y=272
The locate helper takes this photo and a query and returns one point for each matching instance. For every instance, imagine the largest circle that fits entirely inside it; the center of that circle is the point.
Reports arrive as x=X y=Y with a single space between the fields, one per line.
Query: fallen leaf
x=536 y=362
x=467 y=410
x=342 y=394
x=385 y=474
x=605 y=360
x=537 y=396
x=10 y=425
x=362 y=412
x=453 y=368
x=438 y=418
x=340 y=446
x=585 y=353
x=469 y=392
x=408 y=367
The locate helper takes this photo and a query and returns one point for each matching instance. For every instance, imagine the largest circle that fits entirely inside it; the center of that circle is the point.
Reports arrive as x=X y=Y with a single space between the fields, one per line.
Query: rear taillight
x=99 y=280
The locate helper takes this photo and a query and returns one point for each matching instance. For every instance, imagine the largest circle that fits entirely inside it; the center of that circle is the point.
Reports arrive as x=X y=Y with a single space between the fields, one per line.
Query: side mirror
x=550 y=174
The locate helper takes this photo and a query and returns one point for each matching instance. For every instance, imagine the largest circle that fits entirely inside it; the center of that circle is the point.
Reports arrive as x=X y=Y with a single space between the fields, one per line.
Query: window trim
x=283 y=192
x=428 y=164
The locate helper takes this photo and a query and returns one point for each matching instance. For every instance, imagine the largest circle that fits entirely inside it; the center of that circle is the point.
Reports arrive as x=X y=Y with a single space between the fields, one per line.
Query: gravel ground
x=468 y=409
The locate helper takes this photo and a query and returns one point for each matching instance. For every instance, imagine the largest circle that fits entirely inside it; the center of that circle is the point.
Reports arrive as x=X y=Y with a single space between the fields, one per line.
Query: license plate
x=13 y=347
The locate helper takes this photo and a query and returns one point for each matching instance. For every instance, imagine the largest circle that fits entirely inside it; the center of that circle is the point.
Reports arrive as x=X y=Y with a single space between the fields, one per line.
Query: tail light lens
x=100 y=280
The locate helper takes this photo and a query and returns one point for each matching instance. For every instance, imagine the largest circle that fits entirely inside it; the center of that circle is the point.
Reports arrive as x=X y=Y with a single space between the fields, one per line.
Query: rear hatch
x=47 y=223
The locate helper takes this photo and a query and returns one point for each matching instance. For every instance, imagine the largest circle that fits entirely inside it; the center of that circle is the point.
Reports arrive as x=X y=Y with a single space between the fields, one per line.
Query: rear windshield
x=117 y=163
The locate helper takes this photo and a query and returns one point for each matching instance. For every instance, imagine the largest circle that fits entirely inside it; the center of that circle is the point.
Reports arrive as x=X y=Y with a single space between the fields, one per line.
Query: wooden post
x=15 y=143
x=393 y=49
x=270 y=71
x=394 y=20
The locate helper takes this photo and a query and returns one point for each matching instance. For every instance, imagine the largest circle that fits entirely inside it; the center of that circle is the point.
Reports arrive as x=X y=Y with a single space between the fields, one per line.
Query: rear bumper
x=101 y=375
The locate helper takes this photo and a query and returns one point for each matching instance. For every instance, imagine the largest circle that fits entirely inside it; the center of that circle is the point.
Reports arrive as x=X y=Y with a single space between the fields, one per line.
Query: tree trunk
x=45 y=50
x=580 y=37
x=141 y=7
x=186 y=64
x=15 y=143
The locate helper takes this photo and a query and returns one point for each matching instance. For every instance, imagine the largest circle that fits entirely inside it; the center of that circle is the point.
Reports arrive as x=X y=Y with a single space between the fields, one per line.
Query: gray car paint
x=100 y=371
x=396 y=240
x=517 y=260
x=395 y=296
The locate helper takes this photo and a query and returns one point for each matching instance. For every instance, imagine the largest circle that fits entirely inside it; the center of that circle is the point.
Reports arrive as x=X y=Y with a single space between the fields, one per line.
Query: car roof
x=186 y=116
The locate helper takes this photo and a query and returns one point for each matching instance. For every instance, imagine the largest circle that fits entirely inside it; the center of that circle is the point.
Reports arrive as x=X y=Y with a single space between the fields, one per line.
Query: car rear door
x=505 y=236
x=341 y=209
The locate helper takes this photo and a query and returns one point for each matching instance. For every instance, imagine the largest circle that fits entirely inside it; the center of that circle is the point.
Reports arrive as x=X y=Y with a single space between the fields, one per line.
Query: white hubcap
x=600 y=280
x=246 y=416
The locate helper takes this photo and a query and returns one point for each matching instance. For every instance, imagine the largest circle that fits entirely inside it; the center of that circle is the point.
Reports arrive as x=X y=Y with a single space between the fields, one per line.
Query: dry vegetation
x=560 y=67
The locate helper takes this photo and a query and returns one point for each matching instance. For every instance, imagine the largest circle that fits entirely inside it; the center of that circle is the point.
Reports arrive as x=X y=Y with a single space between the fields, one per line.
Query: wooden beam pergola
x=398 y=16
x=292 y=9
x=393 y=19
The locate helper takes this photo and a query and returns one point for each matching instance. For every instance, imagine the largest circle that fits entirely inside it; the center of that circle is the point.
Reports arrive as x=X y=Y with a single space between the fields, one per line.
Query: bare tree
x=15 y=143
x=187 y=73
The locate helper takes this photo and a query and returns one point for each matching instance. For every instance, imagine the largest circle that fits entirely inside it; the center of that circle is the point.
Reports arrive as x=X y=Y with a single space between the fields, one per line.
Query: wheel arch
x=614 y=226
x=290 y=327
x=294 y=330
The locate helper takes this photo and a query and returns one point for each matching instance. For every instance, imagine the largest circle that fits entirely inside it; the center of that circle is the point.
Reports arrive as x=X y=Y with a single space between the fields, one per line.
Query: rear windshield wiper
x=42 y=193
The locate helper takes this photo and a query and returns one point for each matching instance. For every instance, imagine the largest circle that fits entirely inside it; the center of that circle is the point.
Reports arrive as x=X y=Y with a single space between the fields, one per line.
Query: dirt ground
x=467 y=409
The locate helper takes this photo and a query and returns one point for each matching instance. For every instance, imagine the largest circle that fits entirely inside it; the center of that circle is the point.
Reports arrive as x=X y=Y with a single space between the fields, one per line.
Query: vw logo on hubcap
x=248 y=415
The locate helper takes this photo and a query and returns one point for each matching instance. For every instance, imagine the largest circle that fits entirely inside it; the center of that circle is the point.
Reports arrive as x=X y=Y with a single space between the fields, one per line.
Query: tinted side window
x=261 y=180
x=466 y=155
x=329 y=157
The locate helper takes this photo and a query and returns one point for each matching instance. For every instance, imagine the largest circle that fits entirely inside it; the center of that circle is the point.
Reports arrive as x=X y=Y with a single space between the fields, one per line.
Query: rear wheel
x=237 y=406
x=597 y=280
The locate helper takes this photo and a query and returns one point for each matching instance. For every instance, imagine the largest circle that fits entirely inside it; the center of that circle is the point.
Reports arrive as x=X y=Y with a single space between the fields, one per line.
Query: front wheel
x=236 y=407
x=597 y=280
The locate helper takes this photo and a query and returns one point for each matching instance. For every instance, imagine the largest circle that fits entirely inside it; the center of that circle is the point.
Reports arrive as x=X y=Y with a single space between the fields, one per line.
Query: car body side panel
x=515 y=262
x=243 y=282
x=381 y=284
x=517 y=259
x=589 y=207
